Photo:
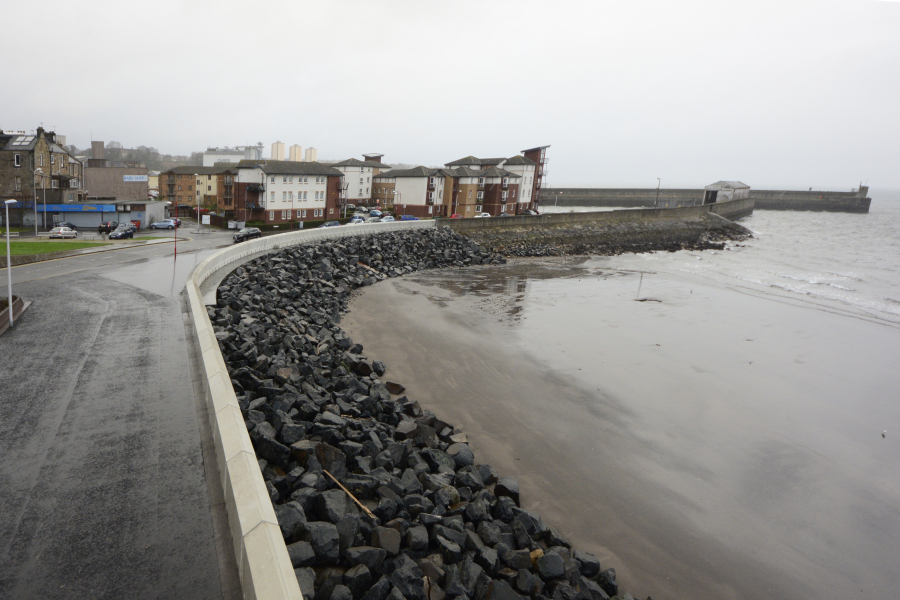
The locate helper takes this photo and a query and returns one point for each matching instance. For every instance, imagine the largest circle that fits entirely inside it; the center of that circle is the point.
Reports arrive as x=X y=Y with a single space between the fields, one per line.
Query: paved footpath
x=107 y=481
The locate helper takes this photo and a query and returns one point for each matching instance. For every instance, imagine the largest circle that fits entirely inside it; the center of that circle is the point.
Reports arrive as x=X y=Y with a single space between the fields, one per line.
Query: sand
x=708 y=441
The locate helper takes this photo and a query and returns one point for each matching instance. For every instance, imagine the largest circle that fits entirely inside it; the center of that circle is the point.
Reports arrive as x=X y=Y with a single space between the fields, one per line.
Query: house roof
x=465 y=172
x=353 y=162
x=519 y=160
x=414 y=172
x=289 y=167
x=19 y=142
x=536 y=148
x=497 y=172
x=474 y=161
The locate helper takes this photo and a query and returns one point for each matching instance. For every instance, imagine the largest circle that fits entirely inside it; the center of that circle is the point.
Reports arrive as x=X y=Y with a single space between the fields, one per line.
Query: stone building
x=37 y=167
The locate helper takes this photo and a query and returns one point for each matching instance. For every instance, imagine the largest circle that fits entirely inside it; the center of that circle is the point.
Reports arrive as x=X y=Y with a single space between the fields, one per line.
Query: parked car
x=374 y=212
x=482 y=215
x=164 y=224
x=130 y=226
x=409 y=218
x=107 y=227
x=387 y=219
x=350 y=207
x=373 y=220
x=247 y=233
x=356 y=220
x=176 y=220
x=529 y=213
x=504 y=215
x=67 y=224
x=329 y=224
x=122 y=232
x=456 y=216
x=63 y=232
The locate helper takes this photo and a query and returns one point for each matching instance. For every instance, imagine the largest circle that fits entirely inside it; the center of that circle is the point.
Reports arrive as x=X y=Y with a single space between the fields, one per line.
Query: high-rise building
x=278 y=151
x=296 y=153
x=312 y=155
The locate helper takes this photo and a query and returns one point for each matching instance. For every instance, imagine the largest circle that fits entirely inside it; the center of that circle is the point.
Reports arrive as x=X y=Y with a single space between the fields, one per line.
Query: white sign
x=130 y=178
x=204 y=220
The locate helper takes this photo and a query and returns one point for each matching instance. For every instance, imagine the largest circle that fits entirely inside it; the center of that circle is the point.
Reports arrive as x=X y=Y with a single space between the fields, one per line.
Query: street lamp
x=39 y=171
x=9 y=263
x=656 y=204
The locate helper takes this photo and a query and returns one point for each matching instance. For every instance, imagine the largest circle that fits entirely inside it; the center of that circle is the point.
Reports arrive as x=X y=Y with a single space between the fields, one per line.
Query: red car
x=456 y=216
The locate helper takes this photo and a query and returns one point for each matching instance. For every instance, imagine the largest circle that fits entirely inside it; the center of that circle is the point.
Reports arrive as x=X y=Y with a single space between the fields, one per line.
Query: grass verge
x=44 y=247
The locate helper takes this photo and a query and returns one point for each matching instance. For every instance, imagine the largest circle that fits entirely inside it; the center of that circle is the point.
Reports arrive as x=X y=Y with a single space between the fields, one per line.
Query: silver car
x=63 y=232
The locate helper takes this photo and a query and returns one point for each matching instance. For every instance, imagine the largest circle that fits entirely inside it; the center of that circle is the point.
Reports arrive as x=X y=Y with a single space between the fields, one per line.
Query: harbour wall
x=813 y=200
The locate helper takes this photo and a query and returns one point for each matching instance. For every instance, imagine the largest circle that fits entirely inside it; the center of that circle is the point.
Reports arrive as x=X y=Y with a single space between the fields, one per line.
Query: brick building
x=520 y=181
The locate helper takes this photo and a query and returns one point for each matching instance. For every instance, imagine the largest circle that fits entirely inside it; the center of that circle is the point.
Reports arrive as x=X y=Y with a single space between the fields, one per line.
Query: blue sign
x=129 y=178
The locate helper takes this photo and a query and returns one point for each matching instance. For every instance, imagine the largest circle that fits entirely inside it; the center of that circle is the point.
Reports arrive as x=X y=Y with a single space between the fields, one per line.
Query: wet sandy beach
x=707 y=441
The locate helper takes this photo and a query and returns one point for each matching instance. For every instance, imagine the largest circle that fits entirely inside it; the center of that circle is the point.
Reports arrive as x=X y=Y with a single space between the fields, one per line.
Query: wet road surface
x=105 y=448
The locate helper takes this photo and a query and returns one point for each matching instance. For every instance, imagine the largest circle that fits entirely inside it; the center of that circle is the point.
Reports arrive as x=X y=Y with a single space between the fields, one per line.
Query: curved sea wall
x=326 y=399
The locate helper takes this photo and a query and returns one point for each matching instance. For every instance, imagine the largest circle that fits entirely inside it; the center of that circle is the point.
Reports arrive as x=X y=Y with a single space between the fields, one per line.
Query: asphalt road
x=107 y=481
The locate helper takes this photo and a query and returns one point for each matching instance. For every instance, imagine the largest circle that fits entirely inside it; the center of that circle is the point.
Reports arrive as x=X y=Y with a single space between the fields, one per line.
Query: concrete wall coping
x=264 y=567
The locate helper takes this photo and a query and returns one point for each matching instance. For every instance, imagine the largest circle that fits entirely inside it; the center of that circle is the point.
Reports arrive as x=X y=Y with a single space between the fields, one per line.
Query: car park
x=107 y=226
x=329 y=224
x=409 y=218
x=247 y=233
x=63 y=232
x=164 y=224
x=122 y=232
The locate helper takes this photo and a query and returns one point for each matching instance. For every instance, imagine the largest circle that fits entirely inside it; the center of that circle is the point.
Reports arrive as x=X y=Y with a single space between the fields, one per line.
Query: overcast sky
x=775 y=94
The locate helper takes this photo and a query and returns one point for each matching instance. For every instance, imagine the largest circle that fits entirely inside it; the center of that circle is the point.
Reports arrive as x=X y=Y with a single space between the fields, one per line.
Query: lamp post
x=39 y=171
x=656 y=204
x=9 y=263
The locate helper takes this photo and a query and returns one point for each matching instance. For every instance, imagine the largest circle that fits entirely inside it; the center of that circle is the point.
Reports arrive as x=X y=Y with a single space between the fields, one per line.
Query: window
x=305 y=179
x=273 y=179
x=190 y=187
x=504 y=195
x=480 y=195
x=18 y=182
x=431 y=195
x=284 y=195
x=367 y=191
x=481 y=181
x=429 y=209
x=368 y=179
x=198 y=182
x=291 y=196
x=502 y=208
x=478 y=208
x=179 y=188
x=209 y=177
x=470 y=194
x=54 y=184
x=441 y=194
x=284 y=215
x=73 y=183
x=209 y=188
x=514 y=193
x=18 y=158
x=41 y=156
x=271 y=215
x=360 y=181
x=302 y=214
x=320 y=212
x=272 y=196
x=431 y=180
x=304 y=195
x=52 y=158
x=284 y=179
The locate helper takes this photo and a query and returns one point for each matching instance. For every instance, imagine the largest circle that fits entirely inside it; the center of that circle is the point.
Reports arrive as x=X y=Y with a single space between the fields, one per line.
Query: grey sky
x=796 y=93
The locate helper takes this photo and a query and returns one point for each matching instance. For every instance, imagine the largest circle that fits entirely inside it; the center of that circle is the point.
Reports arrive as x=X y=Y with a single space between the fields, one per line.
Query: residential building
x=231 y=155
x=525 y=175
x=153 y=183
x=312 y=155
x=465 y=196
x=36 y=166
x=419 y=191
x=296 y=153
x=286 y=191
x=277 y=151
x=358 y=176
x=199 y=186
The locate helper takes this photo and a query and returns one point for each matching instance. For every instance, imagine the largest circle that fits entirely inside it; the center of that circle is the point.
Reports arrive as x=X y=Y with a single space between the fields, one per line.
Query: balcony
x=256 y=187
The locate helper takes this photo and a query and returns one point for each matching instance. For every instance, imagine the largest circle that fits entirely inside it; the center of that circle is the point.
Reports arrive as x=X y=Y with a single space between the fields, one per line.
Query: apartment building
x=524 y=176
x=277 y=151
x=296 y=153
x=193 y=186
x=358 y=176
x=421 y=191
x=285 y=191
